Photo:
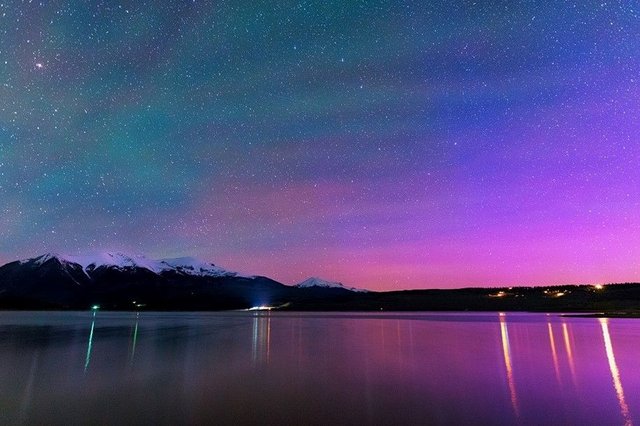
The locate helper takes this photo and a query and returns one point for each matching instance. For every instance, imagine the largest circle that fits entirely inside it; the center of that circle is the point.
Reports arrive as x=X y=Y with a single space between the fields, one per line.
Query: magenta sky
x=384 y=145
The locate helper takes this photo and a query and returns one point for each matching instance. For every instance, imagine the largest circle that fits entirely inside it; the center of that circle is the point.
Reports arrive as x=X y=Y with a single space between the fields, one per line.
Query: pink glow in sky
x=467 y=145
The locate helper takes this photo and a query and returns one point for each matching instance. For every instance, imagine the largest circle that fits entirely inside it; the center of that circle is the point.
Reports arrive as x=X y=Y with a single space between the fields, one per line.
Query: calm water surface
x=289 y=368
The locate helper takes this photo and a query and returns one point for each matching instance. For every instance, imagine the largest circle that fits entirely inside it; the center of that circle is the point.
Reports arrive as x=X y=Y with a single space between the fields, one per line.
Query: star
x=246 y=136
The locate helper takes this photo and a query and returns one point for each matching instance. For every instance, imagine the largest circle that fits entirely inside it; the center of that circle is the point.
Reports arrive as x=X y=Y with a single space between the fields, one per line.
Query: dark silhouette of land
x=55 y=284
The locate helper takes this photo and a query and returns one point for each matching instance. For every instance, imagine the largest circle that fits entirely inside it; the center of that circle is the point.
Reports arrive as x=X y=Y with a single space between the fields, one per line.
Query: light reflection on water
x=554 y=354
x=567 y=345
x=87 y=358
x=506 y=349
x=288 y=368
x=615 y=372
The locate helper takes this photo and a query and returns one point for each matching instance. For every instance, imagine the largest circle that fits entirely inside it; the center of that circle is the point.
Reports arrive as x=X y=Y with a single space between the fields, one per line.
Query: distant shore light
x=260 y=308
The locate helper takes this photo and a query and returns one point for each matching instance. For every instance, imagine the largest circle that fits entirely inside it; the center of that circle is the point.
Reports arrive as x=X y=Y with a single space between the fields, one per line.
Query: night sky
x=384 y=144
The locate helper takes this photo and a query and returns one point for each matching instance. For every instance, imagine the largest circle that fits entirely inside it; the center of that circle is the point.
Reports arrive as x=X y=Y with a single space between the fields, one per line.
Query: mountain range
x=117 y=281
x=121 y=281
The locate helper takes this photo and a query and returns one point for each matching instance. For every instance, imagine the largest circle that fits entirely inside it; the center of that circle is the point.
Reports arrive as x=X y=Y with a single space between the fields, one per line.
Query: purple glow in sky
x=383 y=144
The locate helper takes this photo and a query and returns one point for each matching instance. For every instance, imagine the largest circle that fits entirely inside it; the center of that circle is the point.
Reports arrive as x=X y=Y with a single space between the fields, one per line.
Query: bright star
x=39 y=65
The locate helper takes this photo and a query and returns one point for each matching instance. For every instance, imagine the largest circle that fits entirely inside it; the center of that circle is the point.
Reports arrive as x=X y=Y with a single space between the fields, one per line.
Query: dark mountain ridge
x=126 y=282
x=122 y=282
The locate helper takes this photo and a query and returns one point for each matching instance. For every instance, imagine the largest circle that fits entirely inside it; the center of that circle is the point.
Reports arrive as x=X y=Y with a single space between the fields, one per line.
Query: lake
x=317 y=368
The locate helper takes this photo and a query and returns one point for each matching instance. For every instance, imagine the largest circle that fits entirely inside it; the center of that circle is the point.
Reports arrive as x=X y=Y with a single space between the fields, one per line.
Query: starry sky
x=384 y=144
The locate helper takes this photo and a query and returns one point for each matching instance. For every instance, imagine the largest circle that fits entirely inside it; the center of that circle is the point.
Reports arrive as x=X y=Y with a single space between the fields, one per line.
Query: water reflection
x=28 y=390
x=554 y=354
x=261 y=341
x=315 y=369
x=506 y=350
x=134 y=339
x=87 y=359
x=569 y=351
x=615 y=372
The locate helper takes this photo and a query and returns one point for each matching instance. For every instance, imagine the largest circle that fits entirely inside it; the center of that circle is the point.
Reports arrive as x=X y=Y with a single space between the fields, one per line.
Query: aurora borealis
x=384 y=144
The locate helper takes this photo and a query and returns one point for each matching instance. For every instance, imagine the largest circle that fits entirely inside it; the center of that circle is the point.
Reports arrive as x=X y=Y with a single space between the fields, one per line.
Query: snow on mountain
x=319 y=282
x=184 y=265
x=96 y=260
x=192 y=266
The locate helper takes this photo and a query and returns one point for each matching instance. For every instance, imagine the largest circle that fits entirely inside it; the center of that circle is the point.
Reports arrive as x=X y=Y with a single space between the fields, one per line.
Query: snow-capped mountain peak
x=182 y=265
x=193 y=266
x=319 y=282
x=96 y=260
x=42 y=258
